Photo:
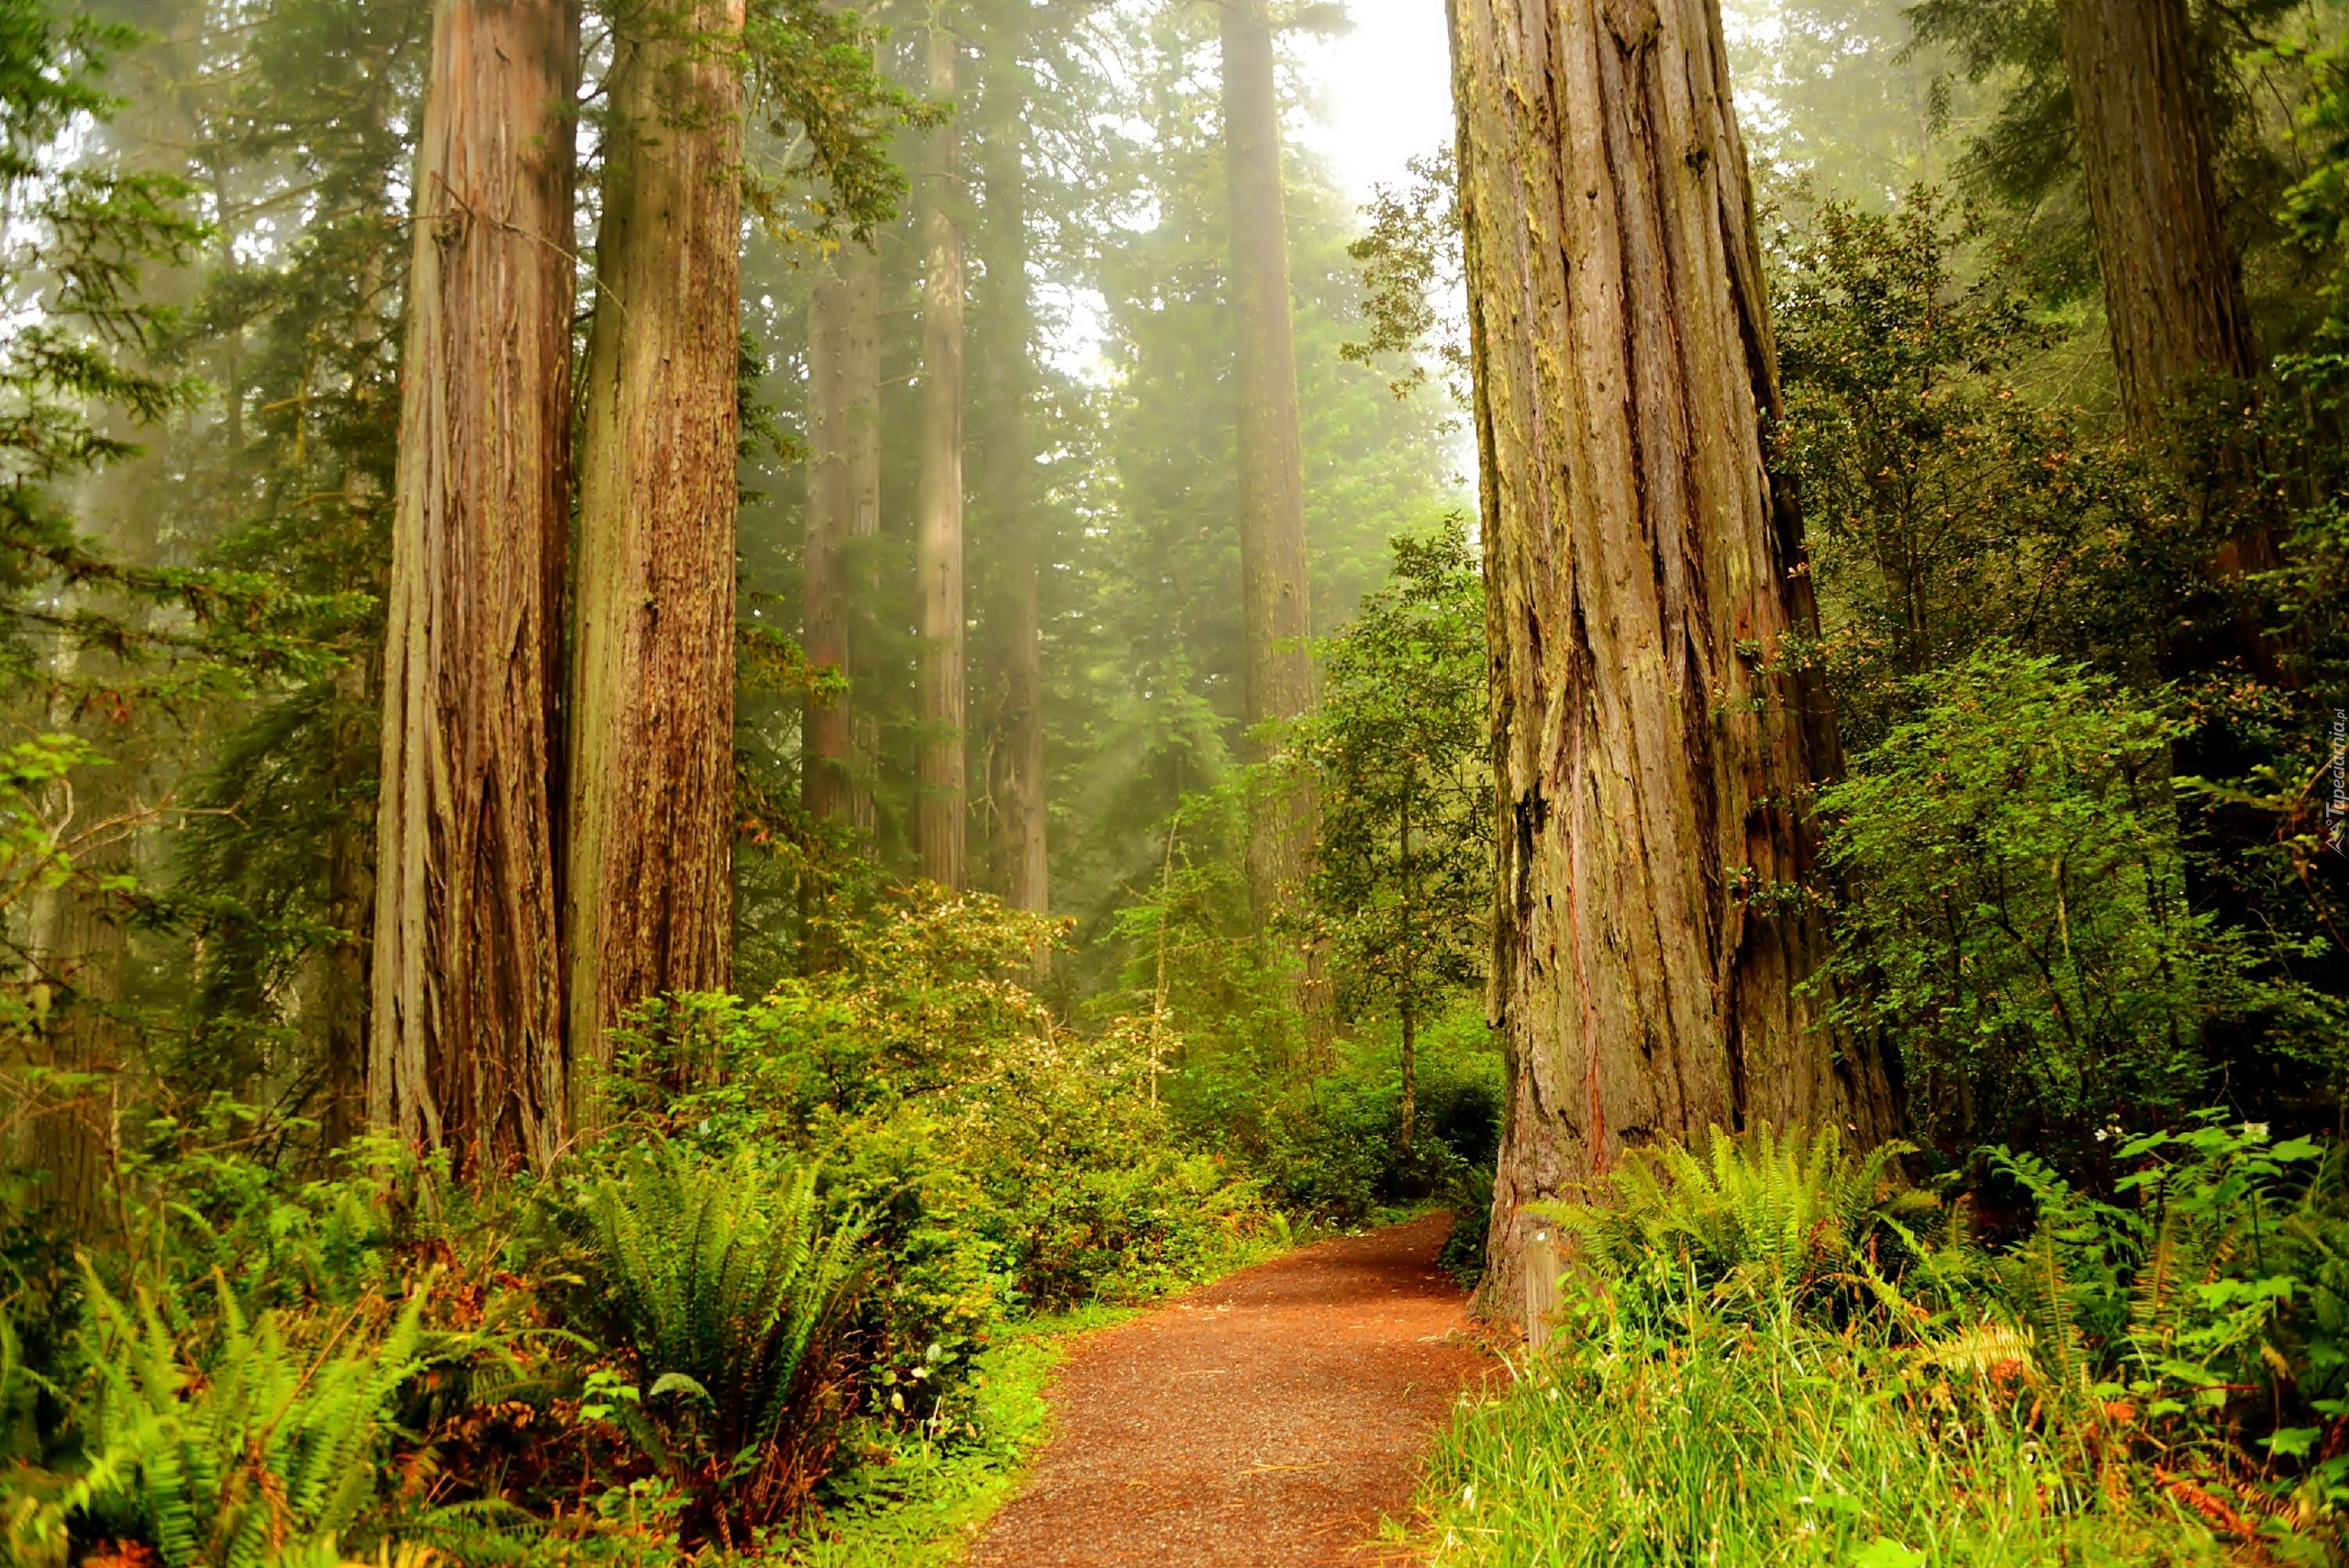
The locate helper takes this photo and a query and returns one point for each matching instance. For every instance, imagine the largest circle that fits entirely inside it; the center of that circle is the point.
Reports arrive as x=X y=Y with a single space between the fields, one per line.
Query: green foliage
x=1332 y=1149
x=1781 y=1369
x=2317 y=208
x=2017 y=925
x=1945 y=510
x=1399 y=761
x=232 y=1447
x=2214 y=1303
x=1408 y=256
x=999 y=1160
x=1781 y=1363
x=721 y=1278
x=1762 y=1221
x=1745 y=1444
x=818 y=89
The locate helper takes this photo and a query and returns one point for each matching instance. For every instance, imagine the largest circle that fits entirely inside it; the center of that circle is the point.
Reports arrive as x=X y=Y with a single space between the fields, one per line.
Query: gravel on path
x=1268 y=1421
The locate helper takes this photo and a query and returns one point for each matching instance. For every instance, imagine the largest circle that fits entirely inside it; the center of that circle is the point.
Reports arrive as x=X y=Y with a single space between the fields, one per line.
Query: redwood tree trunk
x=466 y=1042
x=652 y=676
x=824 y=733
x=2173 y=295
x=941 y=817
x=1016 y=783
x=843 y=517
x=1275 y=606
x=1642 y=568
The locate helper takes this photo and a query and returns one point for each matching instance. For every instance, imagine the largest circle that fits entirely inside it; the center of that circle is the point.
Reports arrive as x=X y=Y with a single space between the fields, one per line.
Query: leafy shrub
x=998 y=1159
x=721 y=1279
x=2019 y=928
x=1333 y=1148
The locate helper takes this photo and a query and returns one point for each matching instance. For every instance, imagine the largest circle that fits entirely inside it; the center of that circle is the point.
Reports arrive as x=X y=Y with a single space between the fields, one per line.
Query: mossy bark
x=1654 y=744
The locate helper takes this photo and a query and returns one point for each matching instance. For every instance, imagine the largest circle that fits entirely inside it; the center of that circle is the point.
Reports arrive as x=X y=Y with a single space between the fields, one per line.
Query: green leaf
x=2292 y=1443
x=677 y=1383
x=1886 y=1553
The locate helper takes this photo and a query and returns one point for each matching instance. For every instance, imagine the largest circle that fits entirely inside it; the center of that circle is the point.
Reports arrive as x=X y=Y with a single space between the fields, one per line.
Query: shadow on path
x=1267 y=1420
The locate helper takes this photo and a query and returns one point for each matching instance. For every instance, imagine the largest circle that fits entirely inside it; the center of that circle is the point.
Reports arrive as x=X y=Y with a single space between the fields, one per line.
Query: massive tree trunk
x=2173 y=295
x=1643 y=573
x=1275 y=605
x=466 y=1035
x=652 y=890
x=941 y=817
x=1015 y=781
x=843 y=509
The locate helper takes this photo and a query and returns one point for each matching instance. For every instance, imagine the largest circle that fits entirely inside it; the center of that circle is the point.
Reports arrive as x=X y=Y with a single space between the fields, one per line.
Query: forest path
x=1268 y=1421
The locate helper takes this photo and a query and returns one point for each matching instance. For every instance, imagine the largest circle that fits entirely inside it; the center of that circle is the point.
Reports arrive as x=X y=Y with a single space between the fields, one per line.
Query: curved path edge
x=1269 y=1420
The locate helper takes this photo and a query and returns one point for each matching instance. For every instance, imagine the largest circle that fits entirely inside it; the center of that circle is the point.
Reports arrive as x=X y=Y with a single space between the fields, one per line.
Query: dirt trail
x=1266 y=1421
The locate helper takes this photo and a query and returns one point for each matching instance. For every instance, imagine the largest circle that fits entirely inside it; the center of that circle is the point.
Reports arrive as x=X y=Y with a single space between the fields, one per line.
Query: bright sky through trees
x=1387 y=91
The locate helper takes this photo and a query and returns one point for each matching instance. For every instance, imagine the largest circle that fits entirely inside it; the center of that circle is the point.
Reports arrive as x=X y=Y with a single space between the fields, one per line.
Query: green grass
x=1733 y=1445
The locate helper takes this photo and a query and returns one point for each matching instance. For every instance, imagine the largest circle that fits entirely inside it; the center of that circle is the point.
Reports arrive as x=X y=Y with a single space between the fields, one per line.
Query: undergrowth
x=1770 y=1352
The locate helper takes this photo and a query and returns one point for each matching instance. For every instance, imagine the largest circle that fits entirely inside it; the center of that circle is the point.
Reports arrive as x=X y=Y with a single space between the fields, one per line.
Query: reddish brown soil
x=1268 y=1421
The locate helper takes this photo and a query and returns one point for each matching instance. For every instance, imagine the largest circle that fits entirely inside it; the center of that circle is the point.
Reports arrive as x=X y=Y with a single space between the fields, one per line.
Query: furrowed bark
x=2173 y=292
x=1276 y=607
x=652 y=684
x=1643 y=570
x=1016 y=784
x=940 y=817
x=466 y=1033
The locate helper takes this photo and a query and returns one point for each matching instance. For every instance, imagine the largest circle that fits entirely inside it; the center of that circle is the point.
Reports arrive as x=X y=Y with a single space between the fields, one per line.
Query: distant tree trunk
x=1408 y=1003
x=466 y=1033
x=79 y=946
x=343 y=988
x=651 y=883
x=861 y=423
x=941 y=816
x=843 y=513
x=1275 y=603
x=2173 y=293
x=1006 y=488
x=827 y=773
x=1643 y=570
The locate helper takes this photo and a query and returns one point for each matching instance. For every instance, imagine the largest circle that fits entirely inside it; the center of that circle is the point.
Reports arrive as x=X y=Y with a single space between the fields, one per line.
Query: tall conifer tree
x=843 y=517
x=2173 y=296
x=940 y=813
x=651 y=775
x=1653 y=748
x=467 y=1045
x=1016 y=758
x=1276 y=603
